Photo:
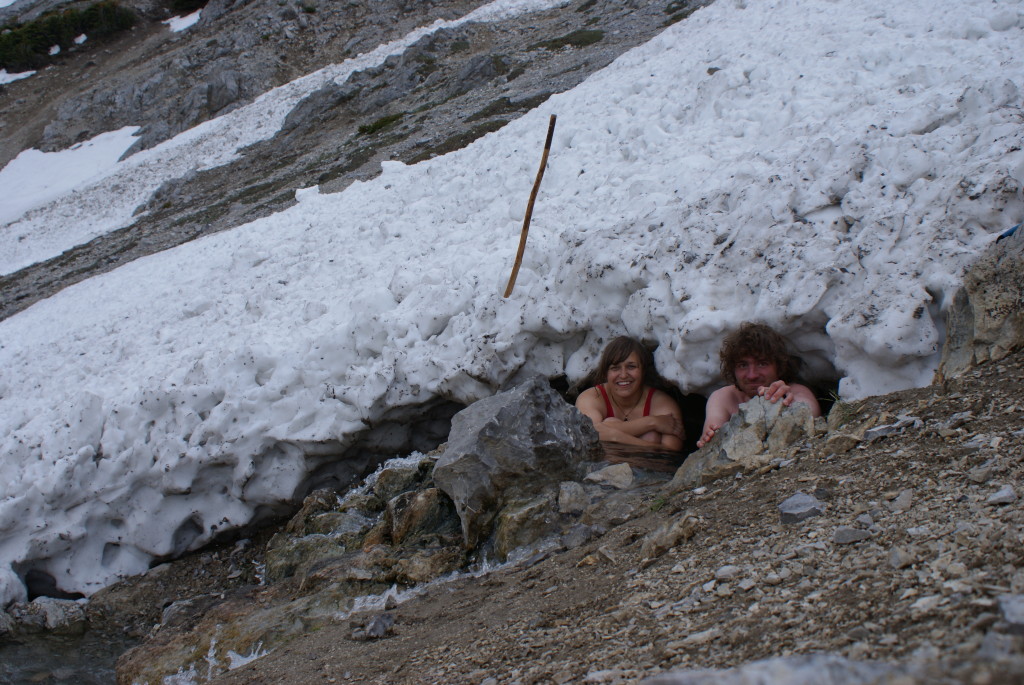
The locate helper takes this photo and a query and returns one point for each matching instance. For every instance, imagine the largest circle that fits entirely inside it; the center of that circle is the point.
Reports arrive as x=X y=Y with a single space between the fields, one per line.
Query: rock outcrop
x=757 y=433
x=512 y=477
x=986 y=319
x=508 y=447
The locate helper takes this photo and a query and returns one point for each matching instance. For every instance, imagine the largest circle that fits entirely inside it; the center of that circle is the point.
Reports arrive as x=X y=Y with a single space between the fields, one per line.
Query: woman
x=624 y=403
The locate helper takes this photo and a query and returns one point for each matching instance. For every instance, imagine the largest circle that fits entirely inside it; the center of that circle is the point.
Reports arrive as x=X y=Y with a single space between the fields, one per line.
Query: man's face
x=752 y=373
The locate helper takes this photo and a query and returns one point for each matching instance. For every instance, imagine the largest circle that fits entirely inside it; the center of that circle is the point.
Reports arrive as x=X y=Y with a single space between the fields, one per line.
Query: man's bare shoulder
x=729 y=394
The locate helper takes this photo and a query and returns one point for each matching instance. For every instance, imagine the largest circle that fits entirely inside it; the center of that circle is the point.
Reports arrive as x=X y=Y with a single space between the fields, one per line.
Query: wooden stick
x=529 y=209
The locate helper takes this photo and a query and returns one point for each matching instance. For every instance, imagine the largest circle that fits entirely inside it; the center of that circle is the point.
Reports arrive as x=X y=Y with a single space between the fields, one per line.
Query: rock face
x=510 y=446
x=986 y=320
x=759 y=431
x=511 y=477
x=906 y=557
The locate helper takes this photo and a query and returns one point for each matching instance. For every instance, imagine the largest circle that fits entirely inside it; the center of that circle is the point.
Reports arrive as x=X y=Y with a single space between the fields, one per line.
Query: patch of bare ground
x=923 y=585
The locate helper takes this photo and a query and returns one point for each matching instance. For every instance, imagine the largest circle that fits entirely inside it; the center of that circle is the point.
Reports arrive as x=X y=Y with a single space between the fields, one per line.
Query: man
x=755 y=360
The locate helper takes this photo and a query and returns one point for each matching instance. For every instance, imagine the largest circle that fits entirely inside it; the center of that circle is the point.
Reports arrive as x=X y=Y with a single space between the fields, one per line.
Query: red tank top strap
x=647 y=404
x=609 y=412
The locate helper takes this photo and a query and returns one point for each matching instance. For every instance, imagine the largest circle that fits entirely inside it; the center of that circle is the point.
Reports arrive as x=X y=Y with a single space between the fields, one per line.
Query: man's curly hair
x=761 y=342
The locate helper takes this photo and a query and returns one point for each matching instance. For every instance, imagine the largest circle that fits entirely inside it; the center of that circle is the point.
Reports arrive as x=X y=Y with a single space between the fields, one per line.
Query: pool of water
x=650 y=458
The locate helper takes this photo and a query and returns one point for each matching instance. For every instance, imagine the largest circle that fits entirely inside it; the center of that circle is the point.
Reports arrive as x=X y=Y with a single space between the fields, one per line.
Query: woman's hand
x=667 y=424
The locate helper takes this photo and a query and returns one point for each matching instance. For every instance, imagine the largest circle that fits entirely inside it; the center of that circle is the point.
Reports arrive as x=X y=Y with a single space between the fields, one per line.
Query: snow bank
x=760 y=160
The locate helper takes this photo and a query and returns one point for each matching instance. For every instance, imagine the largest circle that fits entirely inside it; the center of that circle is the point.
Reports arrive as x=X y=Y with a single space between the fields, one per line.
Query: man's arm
x=722 y=404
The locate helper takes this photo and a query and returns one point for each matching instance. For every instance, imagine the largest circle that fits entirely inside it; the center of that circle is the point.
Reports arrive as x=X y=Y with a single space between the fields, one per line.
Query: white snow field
x=827 y=166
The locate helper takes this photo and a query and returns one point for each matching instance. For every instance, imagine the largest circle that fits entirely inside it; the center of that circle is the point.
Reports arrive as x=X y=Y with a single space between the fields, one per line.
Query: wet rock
x=346 y=527
x=572 y=498
x=428 y=564
x=396 y=480
x=759 y=430
x=521 y=523
x=412 y=515
x=619 y=476
x=61 y=616
x=184 y=611
x=985 y=321
x=288 y=556
x=513 y=444
x=315 y=503
x=364 y=502
x=800 y=507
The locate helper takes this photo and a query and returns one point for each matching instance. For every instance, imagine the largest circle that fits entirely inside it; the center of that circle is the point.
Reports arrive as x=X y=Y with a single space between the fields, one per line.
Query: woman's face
x=626 y=377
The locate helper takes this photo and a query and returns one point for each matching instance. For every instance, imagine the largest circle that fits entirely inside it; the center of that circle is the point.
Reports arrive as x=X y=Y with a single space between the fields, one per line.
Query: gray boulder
x=986 y=319
x=757 y=431
x=61 y=616
x=511 y=446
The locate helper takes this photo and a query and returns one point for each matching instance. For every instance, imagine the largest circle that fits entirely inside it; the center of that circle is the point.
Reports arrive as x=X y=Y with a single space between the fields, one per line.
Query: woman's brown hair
x=616 y=352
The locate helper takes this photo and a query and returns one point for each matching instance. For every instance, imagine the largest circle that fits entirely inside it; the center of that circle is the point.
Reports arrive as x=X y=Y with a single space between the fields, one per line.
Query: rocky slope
x=441 y=94
x=885 y=547
x=918 y=542
x=915 y=556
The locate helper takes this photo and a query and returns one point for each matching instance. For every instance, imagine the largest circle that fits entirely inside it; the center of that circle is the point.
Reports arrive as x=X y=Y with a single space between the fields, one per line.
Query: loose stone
x=900 y=558
x=618 y=476
x=846 y=535
x=1006 y=495
x=1012 y=608
x=728 y=572
x=800 y=507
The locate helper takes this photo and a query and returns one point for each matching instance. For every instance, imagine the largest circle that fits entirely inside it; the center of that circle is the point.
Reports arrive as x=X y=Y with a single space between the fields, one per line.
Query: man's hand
x=779 y=390
x=709 y=432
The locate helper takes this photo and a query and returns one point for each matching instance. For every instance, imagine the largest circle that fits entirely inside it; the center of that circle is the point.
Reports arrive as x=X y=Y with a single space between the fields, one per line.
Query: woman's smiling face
x=626 y=378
